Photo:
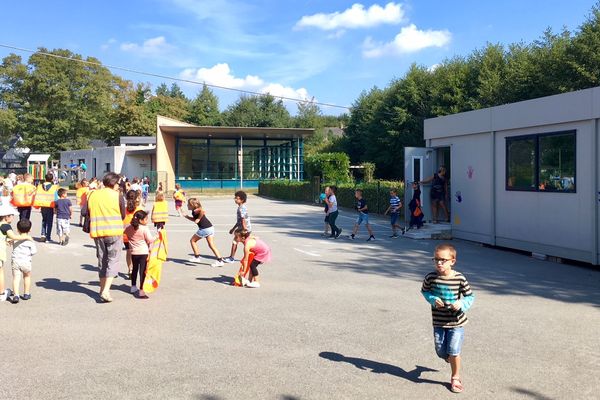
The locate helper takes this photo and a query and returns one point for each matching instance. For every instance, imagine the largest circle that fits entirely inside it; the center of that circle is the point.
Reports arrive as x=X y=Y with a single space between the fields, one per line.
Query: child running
x=179 y=197
x=363 y=215
x=140 y=238
x=242 y=222
x=145 y=190
x=160 y=211
x=23 y=251
x=261 y=251
x=64 y=212
x=450 y=296
x=394 y=211
x=7 y=213
x=205 y=231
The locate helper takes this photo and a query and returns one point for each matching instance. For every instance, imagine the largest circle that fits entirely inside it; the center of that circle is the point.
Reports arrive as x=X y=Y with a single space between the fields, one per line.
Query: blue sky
x=330 y=50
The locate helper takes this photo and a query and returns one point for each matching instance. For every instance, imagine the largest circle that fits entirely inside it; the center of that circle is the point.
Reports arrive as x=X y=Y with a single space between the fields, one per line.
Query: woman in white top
x=331 y=201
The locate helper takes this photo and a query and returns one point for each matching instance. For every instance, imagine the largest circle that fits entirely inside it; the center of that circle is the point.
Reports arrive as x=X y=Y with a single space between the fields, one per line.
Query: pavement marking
x=307 y=252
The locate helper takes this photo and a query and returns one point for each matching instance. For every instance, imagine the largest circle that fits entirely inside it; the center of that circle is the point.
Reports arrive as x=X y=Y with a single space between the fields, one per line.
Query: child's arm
x=429 y=296
x=467 y=297
x=246 y=256
x=387 y=210
x=23 y=236
x=70 y=212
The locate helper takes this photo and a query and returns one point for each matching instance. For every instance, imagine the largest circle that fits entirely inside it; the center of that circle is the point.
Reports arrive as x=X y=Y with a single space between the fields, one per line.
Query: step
x=442 y=231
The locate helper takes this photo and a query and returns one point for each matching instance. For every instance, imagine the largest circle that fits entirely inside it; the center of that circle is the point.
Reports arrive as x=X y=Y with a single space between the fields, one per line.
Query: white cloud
x=151 y=47
x=221 y=75
x=409 y=40
x=355 y=17
x=108 y=44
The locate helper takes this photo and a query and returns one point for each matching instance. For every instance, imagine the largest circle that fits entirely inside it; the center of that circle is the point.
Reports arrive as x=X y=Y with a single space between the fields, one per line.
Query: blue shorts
x=394 y=218
x=362 y=217
x=202 y=233
x=448 y=341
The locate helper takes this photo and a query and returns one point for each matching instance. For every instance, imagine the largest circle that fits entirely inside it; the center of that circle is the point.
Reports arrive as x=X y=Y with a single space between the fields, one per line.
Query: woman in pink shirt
x=262 y=254
x=140 y=238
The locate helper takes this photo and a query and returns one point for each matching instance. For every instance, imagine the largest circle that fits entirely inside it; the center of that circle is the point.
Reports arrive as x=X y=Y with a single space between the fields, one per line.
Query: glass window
x=520 y=160
x=557 y=163
x=223 y=163
x=544 y=162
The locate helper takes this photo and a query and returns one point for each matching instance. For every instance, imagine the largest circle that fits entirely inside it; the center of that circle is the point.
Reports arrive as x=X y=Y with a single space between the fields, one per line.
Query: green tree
x=204 y=109
x=258 y=111
x=129 y=115
x=65 y=103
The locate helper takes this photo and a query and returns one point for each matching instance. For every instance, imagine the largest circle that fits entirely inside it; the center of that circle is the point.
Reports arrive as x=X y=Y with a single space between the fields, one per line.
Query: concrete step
x=441 y=231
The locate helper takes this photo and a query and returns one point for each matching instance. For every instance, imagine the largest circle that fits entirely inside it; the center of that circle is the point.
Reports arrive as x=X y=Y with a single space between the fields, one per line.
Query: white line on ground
x=308 y=252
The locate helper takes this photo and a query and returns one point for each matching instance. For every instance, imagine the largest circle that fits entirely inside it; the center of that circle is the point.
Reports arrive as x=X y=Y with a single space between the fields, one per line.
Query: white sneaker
x=228 y=260
x=133 y=289
x=194 y=260
x=245 y=281
x=253 y=284
x=4 y=296
x=217 y=264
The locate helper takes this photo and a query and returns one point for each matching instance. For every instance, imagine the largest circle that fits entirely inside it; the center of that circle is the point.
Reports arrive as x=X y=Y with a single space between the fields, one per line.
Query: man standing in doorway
x=107 y=211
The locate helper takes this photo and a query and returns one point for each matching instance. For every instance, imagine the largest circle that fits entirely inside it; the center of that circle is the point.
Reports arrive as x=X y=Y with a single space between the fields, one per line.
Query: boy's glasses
x=440 y=260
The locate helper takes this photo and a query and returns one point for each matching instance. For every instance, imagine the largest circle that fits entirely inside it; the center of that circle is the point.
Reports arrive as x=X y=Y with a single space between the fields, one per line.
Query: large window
x=219 y=158
x=544 y=163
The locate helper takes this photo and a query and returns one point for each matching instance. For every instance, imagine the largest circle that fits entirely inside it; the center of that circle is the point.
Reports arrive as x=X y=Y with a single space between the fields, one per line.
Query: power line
x=168 y=77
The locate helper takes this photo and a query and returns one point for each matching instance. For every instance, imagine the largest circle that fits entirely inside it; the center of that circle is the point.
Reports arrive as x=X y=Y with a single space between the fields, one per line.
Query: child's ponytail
x=137 y=217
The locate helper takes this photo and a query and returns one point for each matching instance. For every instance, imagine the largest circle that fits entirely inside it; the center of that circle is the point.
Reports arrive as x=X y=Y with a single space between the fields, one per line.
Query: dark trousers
x=334 y=229
x=254 y=267
x=24 y=212
x=47 y=219
x=139 y=266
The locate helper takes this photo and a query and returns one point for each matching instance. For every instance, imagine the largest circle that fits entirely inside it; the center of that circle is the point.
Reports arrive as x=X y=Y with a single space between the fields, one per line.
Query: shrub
x=329 y=166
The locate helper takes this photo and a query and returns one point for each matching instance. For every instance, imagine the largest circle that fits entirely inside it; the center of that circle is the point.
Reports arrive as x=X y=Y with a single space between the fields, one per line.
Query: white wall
x=472 y=176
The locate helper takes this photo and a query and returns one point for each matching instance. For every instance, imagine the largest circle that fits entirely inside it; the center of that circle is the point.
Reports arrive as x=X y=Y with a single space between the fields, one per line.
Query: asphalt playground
x=334 y=319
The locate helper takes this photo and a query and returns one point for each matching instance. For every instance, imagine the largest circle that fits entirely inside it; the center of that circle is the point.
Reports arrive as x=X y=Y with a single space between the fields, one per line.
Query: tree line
x=59 y=103
x=384 y=121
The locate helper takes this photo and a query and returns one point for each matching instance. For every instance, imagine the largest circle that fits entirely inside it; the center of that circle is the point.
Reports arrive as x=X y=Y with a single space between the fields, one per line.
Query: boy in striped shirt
x=394 y=210
x=450 y=296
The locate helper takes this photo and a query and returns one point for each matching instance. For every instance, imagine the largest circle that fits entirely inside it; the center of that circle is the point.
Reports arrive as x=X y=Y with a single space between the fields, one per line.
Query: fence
x=376 y=193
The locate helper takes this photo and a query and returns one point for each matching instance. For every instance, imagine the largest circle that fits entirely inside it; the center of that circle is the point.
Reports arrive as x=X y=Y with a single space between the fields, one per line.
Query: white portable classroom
x=523 y=175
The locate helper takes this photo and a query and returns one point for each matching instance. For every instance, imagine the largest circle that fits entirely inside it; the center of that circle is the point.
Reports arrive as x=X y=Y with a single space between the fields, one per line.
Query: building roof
x=38 y=157
x=137 y=140
x=235 y=132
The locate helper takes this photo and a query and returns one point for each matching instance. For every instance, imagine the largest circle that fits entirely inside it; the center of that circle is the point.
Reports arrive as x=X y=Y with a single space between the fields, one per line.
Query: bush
x=286 y=190
x=376 y=193
x=329 y=166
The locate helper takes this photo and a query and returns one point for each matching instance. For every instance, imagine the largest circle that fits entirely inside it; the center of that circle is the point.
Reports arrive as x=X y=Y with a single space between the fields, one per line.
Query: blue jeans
x=448 y=341
x=47 y=218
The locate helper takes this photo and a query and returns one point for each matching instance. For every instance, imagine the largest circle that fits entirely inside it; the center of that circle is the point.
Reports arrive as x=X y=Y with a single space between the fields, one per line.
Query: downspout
x=595 y=194
x=494 y=180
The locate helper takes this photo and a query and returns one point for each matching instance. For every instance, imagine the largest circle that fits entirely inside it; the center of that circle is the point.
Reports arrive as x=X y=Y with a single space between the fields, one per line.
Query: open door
x=419 y=164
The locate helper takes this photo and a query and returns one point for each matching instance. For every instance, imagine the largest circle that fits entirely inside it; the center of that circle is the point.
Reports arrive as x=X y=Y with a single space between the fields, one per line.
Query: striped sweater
x=449 y=290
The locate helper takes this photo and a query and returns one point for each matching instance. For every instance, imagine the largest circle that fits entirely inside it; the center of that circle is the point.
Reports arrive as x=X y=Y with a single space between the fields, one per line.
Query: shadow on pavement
x=530 y=394
x=224 y=279
x=381 y=368
x=73 y=286
x=493 y=270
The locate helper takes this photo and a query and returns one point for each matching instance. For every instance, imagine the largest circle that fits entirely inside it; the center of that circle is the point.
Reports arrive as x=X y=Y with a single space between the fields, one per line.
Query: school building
x=524 y=175
x=227 y=157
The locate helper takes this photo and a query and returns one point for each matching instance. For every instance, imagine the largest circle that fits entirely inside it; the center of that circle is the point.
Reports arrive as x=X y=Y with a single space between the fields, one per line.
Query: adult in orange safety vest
x=106 y=211
x=23 y=195
x=45 y=197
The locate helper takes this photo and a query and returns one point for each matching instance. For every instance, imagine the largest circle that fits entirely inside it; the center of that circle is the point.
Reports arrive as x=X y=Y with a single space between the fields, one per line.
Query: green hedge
x=286 y=190
x=376 y=193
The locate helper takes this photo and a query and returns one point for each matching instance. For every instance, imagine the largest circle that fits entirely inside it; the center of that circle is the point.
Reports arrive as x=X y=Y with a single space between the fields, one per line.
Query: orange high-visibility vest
x=127 y=221
x=45 y=198
x=23 y=195
x=80 y=192
x=105 y=214
x=160 y=211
